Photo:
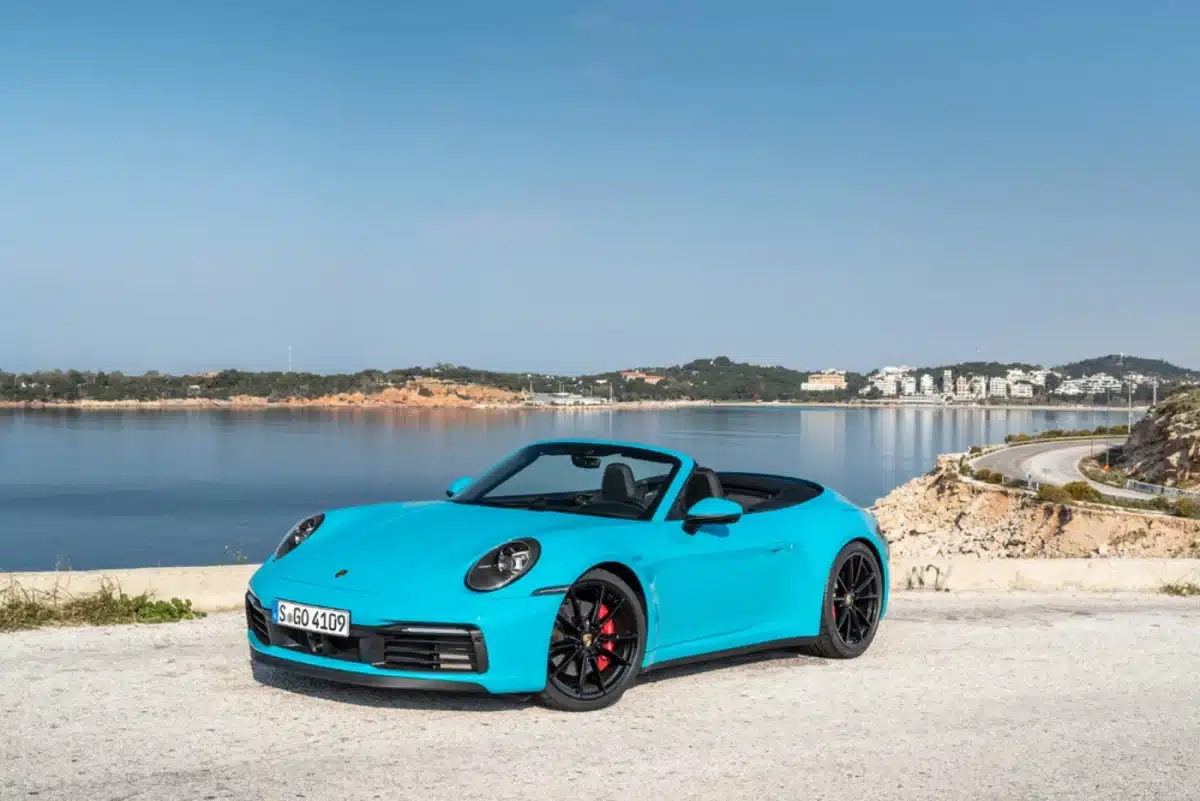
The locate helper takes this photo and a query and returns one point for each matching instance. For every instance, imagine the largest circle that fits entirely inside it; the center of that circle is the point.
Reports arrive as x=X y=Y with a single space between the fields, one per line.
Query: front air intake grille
x=434 y=648
x=419 y=647
x=256 y=621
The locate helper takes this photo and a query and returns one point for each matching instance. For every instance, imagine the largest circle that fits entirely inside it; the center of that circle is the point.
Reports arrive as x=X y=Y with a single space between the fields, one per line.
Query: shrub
x=26 y=609
x=1083 y=491
x=1160 y=503
x=1186 y=507
x=990 y=476
x=1182 y=589
x=1052 y=494
x=975 y=449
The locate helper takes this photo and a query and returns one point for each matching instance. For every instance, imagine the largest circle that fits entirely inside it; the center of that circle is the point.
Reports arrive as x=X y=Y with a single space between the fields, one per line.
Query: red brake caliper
x=606 y=631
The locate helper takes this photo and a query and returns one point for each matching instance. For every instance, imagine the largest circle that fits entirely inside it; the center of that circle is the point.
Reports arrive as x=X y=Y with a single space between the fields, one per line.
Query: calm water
x=130 y=489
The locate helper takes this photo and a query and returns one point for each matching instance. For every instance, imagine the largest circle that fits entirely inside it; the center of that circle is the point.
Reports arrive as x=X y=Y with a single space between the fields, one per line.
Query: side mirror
x=711 y=512
x=457 y=486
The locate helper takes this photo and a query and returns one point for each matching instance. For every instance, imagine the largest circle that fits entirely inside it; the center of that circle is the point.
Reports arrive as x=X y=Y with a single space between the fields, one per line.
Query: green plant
x=1186 y=507
x=1181 y=589
x=974 y=449
x=1159 y=503
x=22 y=608
x=1051 y=494
x=237 y=555
x=1083 y=491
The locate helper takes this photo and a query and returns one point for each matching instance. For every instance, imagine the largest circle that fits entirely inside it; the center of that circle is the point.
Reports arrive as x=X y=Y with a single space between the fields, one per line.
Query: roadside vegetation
x=1060 y=433
x=22 y=608
x=1077 y=492
x=1182 y=589
x=1082 y=492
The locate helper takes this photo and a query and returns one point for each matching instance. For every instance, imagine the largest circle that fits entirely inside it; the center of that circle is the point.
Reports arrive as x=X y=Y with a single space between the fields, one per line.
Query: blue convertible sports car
x=566 y=570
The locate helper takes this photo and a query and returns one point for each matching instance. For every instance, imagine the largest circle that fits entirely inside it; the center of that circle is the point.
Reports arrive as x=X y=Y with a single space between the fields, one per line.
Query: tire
x=847 y=629
x=596 y=646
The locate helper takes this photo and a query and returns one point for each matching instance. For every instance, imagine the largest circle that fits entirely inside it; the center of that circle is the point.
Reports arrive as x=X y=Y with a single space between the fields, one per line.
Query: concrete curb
x=222 y=587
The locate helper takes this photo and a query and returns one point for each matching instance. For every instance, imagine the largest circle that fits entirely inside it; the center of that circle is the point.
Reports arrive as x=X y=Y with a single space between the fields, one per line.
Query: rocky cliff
x=940 y=515
x=1164 y=447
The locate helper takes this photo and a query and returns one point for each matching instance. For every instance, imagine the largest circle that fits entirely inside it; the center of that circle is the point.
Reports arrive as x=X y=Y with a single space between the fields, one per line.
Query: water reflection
x=125 y=488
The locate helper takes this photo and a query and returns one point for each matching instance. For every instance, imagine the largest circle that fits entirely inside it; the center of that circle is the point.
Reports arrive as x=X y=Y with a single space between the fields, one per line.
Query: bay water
x=84 y=489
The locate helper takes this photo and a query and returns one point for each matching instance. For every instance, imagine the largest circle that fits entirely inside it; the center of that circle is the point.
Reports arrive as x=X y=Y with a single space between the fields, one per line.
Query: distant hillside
x=722 y=379
x=1117 y=365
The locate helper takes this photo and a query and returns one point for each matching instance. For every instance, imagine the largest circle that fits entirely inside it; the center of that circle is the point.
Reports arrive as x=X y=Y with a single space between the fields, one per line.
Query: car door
x=716 y=583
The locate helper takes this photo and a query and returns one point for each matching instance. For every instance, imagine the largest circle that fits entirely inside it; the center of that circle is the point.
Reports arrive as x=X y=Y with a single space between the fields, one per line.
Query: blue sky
x=577 y=186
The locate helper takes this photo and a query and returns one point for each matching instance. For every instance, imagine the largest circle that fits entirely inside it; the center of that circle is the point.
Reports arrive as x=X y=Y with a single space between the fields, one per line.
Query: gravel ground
x=960 y=697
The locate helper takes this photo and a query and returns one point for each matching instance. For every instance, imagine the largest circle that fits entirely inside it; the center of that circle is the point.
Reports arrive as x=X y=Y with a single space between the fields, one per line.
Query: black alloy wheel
x=853 y=600
x=597 y=644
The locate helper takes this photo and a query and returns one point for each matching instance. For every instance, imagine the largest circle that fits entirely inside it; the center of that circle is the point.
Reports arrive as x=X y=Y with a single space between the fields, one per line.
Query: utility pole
x=1129 y=425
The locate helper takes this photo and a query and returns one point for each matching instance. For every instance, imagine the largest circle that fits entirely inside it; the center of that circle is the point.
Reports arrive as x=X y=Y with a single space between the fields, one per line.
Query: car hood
x=418 y=546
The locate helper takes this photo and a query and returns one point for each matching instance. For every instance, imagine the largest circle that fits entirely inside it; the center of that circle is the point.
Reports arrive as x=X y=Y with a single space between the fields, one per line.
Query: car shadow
x=482 y=702
x=386 y=699
x=752 y=660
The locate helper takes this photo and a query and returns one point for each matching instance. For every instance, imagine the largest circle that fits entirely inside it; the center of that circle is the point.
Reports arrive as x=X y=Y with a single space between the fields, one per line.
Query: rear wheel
x=597 y=644
x=853 y=600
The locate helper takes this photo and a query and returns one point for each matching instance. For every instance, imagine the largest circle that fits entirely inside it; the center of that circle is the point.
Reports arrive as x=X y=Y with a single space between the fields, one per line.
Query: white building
x=888 y=387
x=948 y=382
x=1089 y=385
x=927 y=384
x=908 y=385
x=998 y=387
x=825 y=381
x=1021 y=389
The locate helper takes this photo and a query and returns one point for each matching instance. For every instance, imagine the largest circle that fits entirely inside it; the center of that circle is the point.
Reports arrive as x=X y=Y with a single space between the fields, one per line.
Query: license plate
x=312 y=618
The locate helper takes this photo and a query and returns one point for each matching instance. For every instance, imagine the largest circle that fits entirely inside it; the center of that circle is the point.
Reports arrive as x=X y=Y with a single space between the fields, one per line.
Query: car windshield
x=579 y=478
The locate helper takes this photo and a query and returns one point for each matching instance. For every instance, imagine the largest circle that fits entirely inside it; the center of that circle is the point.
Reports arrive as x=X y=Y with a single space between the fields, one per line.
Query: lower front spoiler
x=364 y=679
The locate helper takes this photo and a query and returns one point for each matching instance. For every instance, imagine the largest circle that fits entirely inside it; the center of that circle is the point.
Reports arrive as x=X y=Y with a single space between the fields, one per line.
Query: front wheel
x=853 y=600
x=597 y=644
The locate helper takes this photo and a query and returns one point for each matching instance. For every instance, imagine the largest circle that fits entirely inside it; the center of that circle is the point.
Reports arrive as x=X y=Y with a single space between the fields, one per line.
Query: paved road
x=1054 y=463
x=961 y=697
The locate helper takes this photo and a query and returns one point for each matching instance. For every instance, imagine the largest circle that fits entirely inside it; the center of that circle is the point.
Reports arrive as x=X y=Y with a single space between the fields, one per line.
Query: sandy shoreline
x=259 y=404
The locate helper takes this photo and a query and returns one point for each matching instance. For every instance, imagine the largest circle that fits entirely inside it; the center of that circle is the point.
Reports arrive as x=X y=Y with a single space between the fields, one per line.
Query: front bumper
x=362 y=679
x=500 y=648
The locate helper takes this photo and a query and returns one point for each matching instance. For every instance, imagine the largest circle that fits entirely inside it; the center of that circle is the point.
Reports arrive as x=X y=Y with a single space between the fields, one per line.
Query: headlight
x=299 y=533
x=502 y=566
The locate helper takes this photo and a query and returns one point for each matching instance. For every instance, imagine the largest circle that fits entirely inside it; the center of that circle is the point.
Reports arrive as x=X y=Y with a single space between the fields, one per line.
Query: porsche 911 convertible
x=566 y=570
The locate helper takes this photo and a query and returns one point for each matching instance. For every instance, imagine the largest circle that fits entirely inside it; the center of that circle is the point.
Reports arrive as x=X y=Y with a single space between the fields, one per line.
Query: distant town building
x=634 y=375
x=926 y=384
x=564 y=399
x=948 y=382
x=909 y=385
x=1089 y=385
x=888 y=387
x=825 y=381
x=962 y=387
x=998 y=387
x=977 y=388
x=1021 y=389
